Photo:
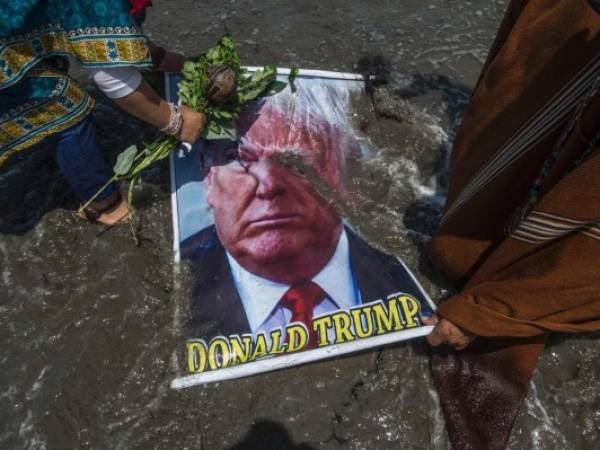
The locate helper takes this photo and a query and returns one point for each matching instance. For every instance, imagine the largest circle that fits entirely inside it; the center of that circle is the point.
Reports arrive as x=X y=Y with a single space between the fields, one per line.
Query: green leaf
x=184 y=88
x=125 y=160
x=227 y=42
x=214 y=54
x=276 y=87
x=220 y=113
x=189 y=68
x=220 y=130
x=259 y=83
x=294 y=71
x=213 y=126
x=251 y=94
x=266 y=73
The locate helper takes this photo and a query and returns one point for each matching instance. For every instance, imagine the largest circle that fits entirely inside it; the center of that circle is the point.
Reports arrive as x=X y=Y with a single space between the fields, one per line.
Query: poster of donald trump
x=276 y=274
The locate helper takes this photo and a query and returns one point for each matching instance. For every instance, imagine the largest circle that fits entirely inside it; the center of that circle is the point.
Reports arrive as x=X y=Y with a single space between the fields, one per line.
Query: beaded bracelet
x=175 y=121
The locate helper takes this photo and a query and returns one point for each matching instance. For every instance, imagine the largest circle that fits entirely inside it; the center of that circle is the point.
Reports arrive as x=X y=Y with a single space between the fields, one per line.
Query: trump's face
x=267 y=215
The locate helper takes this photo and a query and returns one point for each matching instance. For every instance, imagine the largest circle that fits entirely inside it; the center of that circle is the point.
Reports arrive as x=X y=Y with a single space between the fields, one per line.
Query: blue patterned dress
x=37 y=98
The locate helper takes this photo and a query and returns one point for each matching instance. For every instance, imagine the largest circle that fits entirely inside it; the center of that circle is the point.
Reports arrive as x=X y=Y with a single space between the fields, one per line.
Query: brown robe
x=515 y=286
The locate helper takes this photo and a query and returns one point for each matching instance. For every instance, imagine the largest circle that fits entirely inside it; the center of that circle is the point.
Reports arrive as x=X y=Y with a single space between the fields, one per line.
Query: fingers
x=445 y=332
x=193 y=125
x=430 y=320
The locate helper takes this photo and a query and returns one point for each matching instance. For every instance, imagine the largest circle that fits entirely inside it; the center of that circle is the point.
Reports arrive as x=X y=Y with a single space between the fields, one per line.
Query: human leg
x=79 y=159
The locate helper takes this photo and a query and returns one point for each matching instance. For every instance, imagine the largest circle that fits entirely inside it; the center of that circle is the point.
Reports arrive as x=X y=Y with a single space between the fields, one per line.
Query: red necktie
x=301 y=299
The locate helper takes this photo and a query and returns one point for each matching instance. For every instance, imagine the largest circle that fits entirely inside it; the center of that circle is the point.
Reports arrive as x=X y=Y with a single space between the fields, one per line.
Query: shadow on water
x=556 y=339
x=31 y=186
x=268 y=435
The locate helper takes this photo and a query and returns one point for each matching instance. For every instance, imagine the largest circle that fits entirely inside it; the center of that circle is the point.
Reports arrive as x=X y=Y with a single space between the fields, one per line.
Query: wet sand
x=86 y=318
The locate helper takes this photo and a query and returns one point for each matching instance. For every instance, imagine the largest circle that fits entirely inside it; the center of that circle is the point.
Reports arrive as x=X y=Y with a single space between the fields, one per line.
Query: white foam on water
x=27 y=425
x=6 y=274
x=437 y=422
x=428 y=188
x=32 y=440
x=547 y=426
x=421 y=189
x=37 y=385
x=438 y=132
x=10 y=392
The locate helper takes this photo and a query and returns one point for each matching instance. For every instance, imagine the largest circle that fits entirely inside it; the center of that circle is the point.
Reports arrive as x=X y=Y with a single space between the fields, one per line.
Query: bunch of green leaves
x=220 y=118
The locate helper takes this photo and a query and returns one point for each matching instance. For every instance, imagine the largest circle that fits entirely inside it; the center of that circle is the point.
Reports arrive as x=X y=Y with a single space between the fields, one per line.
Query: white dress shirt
x=260 y=297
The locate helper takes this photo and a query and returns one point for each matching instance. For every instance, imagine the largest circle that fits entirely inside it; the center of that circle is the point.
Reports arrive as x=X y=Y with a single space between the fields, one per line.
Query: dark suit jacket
x=216 y=307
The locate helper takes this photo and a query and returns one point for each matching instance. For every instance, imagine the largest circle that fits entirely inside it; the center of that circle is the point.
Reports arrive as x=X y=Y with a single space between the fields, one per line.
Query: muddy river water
x=86 y=317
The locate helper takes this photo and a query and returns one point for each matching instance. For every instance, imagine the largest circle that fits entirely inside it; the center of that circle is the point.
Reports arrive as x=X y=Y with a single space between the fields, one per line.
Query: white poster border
x=295 y=359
